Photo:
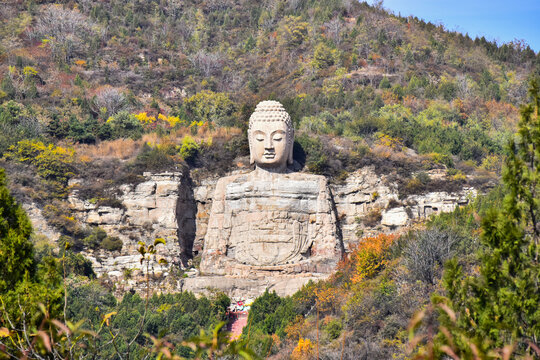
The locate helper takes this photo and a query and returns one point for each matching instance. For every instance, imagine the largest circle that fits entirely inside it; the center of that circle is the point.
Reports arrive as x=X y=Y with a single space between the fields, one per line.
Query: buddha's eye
x=259 y=138
x=278 y=138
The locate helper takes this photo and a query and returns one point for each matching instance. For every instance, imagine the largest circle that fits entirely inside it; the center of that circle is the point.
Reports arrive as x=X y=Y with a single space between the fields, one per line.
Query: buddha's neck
x=282 y=169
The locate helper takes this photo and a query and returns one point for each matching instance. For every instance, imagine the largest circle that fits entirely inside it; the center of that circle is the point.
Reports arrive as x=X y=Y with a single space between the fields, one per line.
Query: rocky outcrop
x=368 y=204
x=162 y=206
x=171 y=206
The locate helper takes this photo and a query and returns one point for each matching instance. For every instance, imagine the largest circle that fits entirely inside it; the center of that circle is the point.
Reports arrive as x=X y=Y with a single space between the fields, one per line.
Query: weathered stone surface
x=264 y=221
x=395 y=217
x=148 y=211
x=39 y=223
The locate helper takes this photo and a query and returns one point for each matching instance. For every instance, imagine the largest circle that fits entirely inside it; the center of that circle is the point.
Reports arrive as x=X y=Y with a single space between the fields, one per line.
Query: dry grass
x=125 y=149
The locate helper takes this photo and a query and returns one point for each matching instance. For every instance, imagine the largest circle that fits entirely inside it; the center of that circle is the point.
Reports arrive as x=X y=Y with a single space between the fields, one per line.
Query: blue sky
x=501 y=20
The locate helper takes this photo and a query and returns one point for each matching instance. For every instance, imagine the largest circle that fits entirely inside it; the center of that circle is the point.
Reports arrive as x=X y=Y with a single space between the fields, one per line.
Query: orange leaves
x=327 y=298
x=370 y=257
x=295 y=329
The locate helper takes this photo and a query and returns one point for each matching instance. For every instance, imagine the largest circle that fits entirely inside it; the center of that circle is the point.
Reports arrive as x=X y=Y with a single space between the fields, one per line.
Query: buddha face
x=269 y=144
x=271 y=136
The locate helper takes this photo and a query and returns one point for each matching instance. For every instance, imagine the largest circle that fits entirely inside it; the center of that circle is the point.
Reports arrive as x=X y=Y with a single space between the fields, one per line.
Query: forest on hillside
x=107 y=90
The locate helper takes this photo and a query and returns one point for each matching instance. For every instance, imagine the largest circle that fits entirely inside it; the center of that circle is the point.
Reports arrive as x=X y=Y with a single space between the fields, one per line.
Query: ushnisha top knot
x=270 y=110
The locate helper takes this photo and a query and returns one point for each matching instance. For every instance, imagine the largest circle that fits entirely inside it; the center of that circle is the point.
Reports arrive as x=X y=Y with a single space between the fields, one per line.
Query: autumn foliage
x=304 y=350
x=370 y=257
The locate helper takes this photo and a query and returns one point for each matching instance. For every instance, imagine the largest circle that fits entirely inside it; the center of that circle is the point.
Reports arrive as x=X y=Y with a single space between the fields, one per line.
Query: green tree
x=501 y=305
x=125 y=125
x=16 y=250
x=213 y=107
x=324 y=56
x=292 y=31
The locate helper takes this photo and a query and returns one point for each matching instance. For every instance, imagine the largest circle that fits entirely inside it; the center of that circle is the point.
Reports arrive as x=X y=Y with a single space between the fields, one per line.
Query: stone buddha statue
x=271 y=219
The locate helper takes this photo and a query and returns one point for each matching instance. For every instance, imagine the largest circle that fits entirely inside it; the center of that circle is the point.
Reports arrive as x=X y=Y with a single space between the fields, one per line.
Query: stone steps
x=236 y=324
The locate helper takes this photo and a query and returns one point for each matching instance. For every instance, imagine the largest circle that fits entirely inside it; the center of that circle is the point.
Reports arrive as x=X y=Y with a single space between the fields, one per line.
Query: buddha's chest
x=271 y=223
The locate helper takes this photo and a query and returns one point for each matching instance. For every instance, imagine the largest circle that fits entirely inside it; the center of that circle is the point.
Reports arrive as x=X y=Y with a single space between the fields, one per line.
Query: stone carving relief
x=271 y=219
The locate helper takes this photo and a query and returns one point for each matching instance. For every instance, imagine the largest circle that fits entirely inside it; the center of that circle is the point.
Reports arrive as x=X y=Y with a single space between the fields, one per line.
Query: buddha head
x=271 y=136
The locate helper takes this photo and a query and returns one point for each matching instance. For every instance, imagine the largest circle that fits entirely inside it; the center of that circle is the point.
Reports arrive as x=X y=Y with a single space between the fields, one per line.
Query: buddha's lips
x=269 y=155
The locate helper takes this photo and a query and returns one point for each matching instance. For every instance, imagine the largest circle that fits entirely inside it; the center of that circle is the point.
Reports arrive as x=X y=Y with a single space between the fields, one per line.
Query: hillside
x=101 y=97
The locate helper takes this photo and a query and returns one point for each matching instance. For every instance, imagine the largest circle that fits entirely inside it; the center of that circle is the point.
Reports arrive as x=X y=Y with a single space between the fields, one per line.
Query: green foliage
x=125 y=125
x=111 y=243
x=156 y=158
x=16 y=123
x=208 y=106
x=499 y=306
x=16 y=250
x=189 y=149
x=292 y=31
x=270 y=314
x=334 y=328
x=98 y=239
x=77 y=264
x=315 y=159
x=324 y=56
x=385 y=83
x=53 y=163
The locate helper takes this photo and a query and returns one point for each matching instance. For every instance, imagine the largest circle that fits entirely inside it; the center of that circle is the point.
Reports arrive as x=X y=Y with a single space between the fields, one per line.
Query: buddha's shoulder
x=253 y=176
x=299 y=176
x=240 y=177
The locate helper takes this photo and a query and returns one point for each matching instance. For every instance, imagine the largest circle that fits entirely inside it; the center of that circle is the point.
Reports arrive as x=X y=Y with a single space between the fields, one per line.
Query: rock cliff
x=171 y=206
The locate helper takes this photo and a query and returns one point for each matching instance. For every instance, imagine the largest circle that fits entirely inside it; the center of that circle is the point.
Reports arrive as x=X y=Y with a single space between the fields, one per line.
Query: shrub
x=157 y=158
x=77 y=264
x=94 y=240
x=292 y=31
x=426 y=253
x=111 y=243
x=208 y=106
x=54 y=164
x=16 y=123
x=304 y=350
x=371 y=256
x=315 y=159
x=334 y=328
x=16 y=250
x=324 y=56
x=125 y=125
x=372 y=218
x=189 y=149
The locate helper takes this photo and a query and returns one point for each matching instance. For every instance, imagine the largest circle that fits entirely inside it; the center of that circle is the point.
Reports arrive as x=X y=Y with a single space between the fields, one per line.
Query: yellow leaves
x=144 y=118
x=172 y=121
x=29 y=71
x=303 y=351
x=292 y=32
x=106 y=318
x=327 y=298
x=81 y=63
x=4 y=332
x=296 y=328
x=388 y=141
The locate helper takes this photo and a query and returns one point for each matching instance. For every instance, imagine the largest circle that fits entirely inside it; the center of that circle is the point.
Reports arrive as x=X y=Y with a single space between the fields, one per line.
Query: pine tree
x=500 y=306
x=16 y=250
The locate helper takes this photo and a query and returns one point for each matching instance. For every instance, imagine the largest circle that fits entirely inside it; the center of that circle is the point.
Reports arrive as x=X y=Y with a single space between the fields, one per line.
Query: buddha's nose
x=268 y=143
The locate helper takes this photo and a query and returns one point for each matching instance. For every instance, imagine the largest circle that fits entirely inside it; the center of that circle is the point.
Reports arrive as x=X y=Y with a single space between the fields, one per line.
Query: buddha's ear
x=290 y=160
x=251 y=158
